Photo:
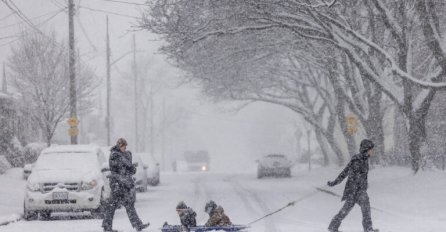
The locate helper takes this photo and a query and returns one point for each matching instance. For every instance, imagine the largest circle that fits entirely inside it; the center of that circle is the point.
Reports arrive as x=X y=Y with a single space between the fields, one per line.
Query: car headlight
x=89 y=185
x=33 y=187
x=204 y=168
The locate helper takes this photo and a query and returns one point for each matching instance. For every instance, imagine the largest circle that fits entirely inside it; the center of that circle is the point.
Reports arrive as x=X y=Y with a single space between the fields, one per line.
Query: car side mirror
x=157 y=164
x=28 y=167
x=105 y=167
x=145 y=166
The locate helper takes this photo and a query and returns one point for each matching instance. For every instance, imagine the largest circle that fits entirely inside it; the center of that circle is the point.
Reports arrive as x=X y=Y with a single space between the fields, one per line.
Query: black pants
x=126 y=198
x=363 y=201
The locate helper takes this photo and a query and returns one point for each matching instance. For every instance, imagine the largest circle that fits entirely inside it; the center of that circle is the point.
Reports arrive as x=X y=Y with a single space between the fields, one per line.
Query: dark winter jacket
x=357 y=171
x=188 y=217
x=121 y=168
x=217 y=217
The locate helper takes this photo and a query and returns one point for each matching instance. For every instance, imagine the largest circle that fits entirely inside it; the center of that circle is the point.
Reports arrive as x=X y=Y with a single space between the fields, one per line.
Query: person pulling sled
x=356 y=188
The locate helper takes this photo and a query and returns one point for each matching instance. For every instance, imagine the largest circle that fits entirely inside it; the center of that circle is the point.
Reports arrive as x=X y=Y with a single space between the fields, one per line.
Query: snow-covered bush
x=32 y=151
x=4 y=164
x=15 y=153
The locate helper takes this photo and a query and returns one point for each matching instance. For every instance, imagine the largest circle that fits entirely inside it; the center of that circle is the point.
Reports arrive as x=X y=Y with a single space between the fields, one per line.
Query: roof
x=71 y=149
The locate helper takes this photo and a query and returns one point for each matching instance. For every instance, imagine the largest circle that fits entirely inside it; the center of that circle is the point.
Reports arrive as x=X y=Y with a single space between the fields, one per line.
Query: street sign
x=73 y=121
x=352 y=124
x=73 y=131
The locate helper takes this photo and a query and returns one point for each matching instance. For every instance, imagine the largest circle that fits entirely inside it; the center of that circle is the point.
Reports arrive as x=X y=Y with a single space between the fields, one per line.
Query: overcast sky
x=233 y=139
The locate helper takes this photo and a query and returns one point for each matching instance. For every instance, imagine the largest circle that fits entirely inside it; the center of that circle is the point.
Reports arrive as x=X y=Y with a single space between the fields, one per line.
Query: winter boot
x=143 y=226
x=110 y=230
x=333 y=230
x=372 y=230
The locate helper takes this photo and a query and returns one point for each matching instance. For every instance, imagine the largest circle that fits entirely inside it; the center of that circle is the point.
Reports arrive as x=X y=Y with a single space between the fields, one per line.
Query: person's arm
x=113 y=162
x=342 y=175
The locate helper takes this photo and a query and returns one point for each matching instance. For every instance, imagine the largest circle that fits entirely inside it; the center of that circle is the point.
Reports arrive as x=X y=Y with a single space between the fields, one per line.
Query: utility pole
x=4 y=85
x=108 y=118
x=135 y=90
x=163 y=145
x=309 y=149
x=73 y=121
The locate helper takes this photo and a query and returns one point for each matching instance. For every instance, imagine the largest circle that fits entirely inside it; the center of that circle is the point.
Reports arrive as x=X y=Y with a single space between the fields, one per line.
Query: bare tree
x=39 y=66
x=381 y=39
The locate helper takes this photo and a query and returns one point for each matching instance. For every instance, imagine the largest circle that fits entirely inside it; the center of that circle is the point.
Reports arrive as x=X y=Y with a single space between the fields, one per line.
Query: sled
x=177 y=228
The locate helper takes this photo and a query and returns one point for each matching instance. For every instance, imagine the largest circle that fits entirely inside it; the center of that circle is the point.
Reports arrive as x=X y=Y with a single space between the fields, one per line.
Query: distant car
x=197 y=161
x=153 y=169
x=274 y=165
x=67 y=178
x=141 y=180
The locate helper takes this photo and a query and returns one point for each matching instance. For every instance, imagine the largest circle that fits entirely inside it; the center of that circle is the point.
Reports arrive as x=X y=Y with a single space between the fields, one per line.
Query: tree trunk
x=374 y=125
x=417 y=130
x=334 y=146
x=340 y=108
x=323 y=146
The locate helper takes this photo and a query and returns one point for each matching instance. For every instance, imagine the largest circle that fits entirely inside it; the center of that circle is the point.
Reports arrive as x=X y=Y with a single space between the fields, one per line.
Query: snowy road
x=408 y=207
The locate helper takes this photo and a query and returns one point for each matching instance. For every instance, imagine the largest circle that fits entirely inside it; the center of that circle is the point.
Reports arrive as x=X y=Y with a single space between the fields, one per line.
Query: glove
x=331 y=183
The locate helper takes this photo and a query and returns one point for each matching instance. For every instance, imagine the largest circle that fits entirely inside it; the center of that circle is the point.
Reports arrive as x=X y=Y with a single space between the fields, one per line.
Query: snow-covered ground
x=406 y=202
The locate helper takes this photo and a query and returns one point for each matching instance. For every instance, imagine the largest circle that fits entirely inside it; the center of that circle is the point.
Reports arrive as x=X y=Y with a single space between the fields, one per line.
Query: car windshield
x=276 y=156
x=197 y=157
x=59 y=161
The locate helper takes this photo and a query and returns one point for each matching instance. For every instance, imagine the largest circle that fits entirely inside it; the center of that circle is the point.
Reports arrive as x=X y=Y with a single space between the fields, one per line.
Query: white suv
x=66 y=178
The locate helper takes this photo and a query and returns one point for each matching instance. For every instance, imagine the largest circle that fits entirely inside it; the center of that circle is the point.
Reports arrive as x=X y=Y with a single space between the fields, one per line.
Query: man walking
x=356 y=188
x=122 y=187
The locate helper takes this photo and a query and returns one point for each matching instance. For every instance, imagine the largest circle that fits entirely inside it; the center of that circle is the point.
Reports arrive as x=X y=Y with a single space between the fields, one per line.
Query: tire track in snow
x=246 y=194
x=242 y=195
x=201 y=195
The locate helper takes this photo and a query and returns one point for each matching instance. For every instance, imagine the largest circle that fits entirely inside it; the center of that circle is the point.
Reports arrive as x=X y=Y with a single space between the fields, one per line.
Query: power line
x=85 y=33
x=40 y=24
x=40 y=16
x=7 y=16
x=128 y=3
x=108 y=12
x=13 y=7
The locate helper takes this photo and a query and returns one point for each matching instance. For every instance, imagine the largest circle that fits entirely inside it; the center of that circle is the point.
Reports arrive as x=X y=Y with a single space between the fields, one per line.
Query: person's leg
x=112 y=205
x=110 y=209
x=133 y=216
x=364 y=203
x=337 y=220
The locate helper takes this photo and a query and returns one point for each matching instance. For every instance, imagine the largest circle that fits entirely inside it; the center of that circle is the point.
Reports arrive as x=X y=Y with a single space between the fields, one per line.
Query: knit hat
x=366 y=145
x=210 y=206
x=181 y=205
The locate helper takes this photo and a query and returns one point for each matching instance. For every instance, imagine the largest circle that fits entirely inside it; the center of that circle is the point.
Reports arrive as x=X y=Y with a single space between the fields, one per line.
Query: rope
x=292 y=203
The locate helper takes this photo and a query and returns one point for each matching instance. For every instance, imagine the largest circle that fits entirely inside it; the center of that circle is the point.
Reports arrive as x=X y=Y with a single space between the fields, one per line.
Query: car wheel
x=155 y=181
x=29 y=215
x=45 y=215
x=260 y=175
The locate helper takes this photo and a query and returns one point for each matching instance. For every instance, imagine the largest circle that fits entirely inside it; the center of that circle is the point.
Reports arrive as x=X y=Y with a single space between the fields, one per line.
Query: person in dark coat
x=217 y=216
x=356 y=188
x=187 y=215
x=122 y=187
